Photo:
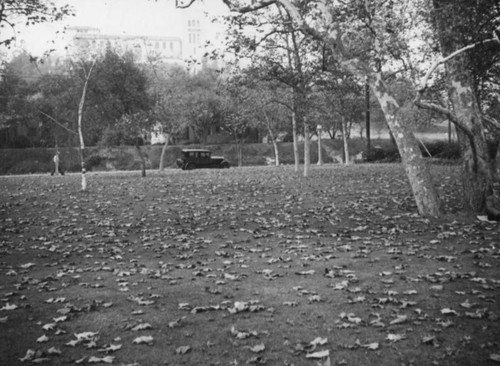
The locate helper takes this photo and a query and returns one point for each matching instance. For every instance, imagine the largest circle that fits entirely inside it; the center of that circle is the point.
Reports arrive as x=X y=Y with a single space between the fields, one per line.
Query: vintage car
x=199 y=158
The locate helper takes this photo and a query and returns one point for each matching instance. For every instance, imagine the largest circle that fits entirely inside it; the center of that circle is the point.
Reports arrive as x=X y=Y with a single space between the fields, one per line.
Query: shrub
x=386 y=154
x=442 y=150
x=92 y=161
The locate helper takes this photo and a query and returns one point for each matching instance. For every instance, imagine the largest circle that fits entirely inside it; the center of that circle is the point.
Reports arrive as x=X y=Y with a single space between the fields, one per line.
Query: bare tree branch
x=57 y=122
x=256 y=5
x=449 y=57
x=181 y=5
x=492 y=122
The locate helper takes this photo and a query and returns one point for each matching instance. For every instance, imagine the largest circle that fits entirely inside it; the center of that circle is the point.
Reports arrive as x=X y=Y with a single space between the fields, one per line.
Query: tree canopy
x=14 y=13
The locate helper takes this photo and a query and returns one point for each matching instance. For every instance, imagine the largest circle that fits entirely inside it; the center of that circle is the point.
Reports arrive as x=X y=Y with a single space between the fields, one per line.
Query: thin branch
x=492 y=122
x=257 y=5
x=445 y=112
x=181 y=5
x=57 y=122
x=449 y=57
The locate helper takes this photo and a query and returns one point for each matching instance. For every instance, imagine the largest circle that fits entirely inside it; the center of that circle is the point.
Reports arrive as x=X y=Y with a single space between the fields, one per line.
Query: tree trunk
x=320 y=150
x=477 y=172
x=80 y=132
x=426 y=198
x=344 y=140
x=367 y=119
x=143 y=161
x=164 y=152
x=295 y=142
x=307 y=150
x=273 y=139
x=240 y=154
x=276 y=153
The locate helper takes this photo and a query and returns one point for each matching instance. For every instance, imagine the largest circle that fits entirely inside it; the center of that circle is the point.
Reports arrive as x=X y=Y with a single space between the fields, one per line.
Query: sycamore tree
x=275 y=46
x=366 y=40
x=169 y=91
x=201 y=104
x=468 y=37
x=268 y=103
x=134 y=126
x=240 y=106
x=275 y=111
x=339 y=103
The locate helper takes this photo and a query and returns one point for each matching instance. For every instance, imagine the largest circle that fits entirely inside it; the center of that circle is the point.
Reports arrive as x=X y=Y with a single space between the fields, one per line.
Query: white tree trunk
x=307 y=151
x=346 y=144
x=320 y=150
x=164 y=152
x=273 y=139
x=426 y=198
x=80 y=132
x=276 y=153
x=295 y=142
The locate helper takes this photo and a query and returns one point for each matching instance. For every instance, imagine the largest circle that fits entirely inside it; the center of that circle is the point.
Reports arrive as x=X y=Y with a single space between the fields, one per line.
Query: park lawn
x=256 y=266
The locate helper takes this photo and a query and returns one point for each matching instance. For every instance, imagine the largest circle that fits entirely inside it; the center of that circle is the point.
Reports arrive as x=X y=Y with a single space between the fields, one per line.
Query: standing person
x=57 y=169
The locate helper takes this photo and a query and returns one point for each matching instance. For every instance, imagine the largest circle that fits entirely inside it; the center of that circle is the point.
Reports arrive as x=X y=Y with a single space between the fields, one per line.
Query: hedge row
x=26 y=161
x=441 y=150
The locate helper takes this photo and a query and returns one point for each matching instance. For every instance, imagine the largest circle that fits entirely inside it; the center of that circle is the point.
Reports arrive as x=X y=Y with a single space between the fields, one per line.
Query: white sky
x=131 y=17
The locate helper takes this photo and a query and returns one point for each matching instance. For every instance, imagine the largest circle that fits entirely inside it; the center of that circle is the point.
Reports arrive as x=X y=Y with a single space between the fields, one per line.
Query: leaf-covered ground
x=244 y=266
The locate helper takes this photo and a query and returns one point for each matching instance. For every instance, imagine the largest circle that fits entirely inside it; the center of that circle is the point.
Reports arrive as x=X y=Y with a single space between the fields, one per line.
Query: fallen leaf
x=9 y=307
x=319 y=354
x=86 y=336
x=395 y=337
x=495 y=357
x=30 y=354
x=42 y=339
x=110 y=348
x=107 y=359
x=54 y=351
x=371 y=346
x=400 y=319
x=182 y=350
x=448 y=311
x=258 y=348
x=143 y=340
x=142 y=326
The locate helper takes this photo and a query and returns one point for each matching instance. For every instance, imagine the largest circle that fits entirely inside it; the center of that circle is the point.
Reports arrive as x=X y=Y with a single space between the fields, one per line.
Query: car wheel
x=189 y=166
x=224 y=165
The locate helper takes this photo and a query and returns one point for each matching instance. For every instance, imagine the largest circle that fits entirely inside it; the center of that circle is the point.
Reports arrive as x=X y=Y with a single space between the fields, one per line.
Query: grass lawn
x=255 y=266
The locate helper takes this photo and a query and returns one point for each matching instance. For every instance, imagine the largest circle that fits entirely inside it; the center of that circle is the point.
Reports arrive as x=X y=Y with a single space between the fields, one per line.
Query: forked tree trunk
x=164 y=152
x=426 y=198
x=478 y=171
x=477 y=176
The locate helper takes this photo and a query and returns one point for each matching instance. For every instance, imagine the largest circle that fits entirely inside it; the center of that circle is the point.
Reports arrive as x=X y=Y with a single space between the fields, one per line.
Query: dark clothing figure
x=493 y=203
